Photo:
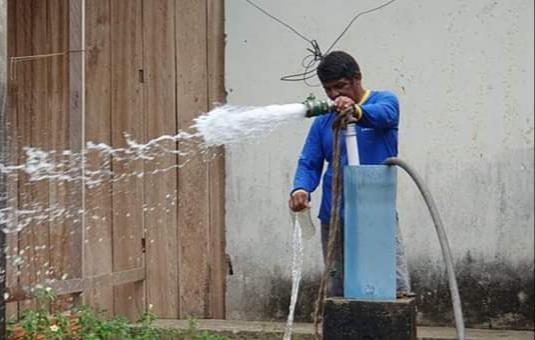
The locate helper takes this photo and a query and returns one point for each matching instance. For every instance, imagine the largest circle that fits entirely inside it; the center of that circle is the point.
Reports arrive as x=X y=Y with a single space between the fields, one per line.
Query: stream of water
x=297 y=265
x=93 y=167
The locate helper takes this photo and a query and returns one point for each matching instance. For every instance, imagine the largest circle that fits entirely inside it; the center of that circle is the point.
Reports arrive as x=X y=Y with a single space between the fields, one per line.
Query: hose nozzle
x=316 y=107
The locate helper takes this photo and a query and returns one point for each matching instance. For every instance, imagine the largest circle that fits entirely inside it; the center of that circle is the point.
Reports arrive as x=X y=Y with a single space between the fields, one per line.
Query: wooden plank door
x=97 y=233
x=193 y=191
x=183 y=44
x=63 y=265
x=127 y=121
x=40 y=119
x=216 y=172
x=98 y=72
x=160 y=186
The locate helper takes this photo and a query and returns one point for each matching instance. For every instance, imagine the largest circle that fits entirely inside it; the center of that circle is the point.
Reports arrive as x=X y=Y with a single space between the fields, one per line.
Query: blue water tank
x=370 y=232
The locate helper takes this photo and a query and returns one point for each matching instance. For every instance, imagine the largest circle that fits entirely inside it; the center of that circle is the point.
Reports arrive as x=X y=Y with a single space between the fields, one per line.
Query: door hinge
x=143 y=245
x=141 y=76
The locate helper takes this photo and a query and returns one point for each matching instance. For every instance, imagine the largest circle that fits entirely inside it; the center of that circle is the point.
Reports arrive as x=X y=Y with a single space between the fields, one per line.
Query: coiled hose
x=442 y=238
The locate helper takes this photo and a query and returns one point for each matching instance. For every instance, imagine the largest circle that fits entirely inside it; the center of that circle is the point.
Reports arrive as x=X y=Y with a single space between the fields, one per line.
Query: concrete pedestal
x=355 y=319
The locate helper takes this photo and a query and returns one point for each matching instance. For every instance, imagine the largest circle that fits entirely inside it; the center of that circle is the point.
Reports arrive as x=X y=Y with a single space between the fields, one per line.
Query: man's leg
x=335 y=283
x=403 y=281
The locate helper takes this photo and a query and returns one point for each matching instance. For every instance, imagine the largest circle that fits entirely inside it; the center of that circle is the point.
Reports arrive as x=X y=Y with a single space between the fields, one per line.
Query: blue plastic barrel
x=370 y=232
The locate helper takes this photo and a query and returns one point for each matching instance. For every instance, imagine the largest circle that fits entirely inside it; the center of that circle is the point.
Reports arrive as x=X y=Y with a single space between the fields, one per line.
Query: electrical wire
x=311 y=60
x=278 y=20
x=354 y=19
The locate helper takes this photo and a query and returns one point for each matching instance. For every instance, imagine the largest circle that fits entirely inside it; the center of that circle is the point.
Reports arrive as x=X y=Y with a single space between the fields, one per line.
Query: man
x=377 y=113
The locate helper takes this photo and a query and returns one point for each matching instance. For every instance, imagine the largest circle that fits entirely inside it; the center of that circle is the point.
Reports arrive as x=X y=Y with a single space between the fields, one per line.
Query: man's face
x=341 y=87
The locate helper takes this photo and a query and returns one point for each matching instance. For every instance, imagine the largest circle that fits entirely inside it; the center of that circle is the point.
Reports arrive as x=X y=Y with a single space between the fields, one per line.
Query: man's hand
x=346 y=112
x=343 y=103
x=298 y=200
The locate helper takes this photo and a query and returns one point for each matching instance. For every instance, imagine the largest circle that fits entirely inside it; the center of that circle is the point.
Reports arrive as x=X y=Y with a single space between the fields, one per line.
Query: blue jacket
x=377 y=136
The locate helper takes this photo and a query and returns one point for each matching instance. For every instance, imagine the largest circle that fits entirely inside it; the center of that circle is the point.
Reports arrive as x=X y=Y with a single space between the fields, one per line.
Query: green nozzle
x=316 y=107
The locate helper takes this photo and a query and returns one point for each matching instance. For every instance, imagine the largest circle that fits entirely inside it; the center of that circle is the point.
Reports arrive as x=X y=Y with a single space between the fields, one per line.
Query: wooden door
x=125 y=232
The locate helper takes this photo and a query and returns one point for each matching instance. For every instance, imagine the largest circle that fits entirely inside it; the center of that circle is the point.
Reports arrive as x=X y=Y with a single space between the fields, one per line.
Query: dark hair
x=337 y=65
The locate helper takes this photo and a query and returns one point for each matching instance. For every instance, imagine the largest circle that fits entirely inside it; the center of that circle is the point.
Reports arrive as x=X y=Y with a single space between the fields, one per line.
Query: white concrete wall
x=463 y=71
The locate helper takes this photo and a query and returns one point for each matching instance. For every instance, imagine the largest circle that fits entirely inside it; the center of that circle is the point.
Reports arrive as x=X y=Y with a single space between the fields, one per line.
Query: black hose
x=442 y=238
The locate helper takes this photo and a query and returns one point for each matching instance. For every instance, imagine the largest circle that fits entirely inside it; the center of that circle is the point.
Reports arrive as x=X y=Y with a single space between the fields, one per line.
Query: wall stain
x=278 y=305
x=494 y=295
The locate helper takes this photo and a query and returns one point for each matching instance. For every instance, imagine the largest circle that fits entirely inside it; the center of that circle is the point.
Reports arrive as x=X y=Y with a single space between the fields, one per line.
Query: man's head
x=340 y=75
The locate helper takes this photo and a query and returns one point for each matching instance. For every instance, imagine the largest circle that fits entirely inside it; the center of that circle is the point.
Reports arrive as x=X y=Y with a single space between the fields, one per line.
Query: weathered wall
x=464 y=75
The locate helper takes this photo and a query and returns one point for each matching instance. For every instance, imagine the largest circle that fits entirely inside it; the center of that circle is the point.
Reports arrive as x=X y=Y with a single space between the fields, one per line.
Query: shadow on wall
x=278 y=304
x=494 y=294
x=496 y=291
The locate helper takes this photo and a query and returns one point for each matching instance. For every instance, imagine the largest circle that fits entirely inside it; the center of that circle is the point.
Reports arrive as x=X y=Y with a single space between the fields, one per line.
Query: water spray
x=228 y=124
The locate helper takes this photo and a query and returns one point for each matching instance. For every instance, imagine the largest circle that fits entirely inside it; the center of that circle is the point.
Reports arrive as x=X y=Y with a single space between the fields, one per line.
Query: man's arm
x=382 y=114
x=309 y=167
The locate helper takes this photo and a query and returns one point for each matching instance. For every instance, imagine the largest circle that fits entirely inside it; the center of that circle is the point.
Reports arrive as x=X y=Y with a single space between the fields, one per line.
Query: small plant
x=84 y=323
x=193 y=333
x=44 y=296
x=40 y=324
x=94 y=328
x=147 y=330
